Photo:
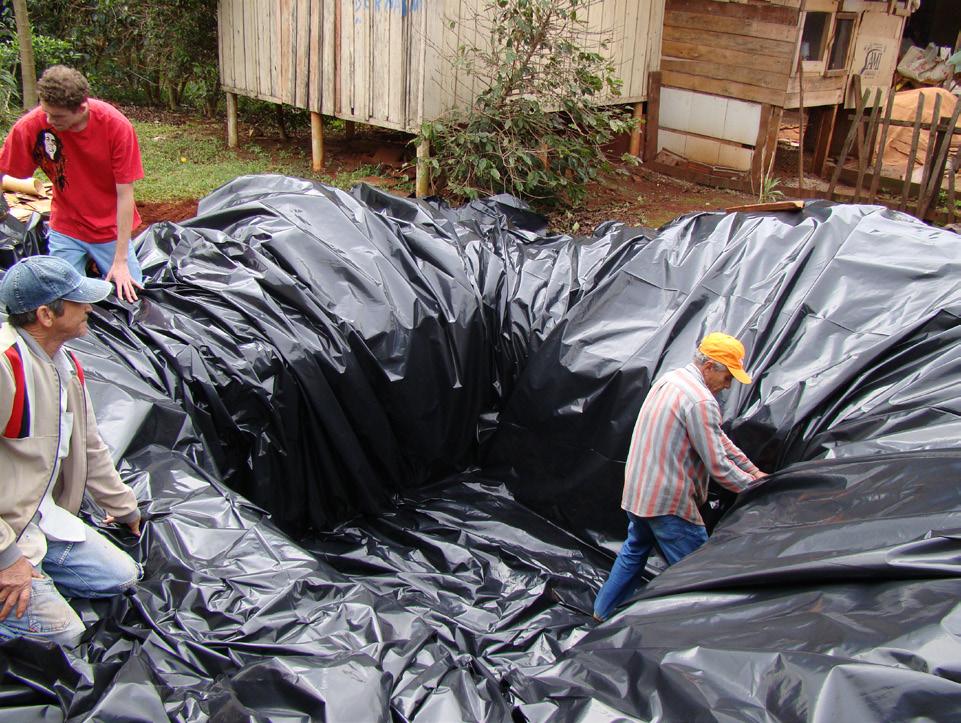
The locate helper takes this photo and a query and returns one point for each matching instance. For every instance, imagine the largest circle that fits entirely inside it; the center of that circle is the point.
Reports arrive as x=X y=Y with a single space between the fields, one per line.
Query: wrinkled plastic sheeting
x=834 y=592
x=829 y=592
x=353 y=348
x=417 y=613
x=850 y=319
x=20 y=239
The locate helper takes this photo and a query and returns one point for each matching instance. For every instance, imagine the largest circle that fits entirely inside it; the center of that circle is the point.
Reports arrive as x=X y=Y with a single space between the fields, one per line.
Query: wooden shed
x=388 y=62
x=729 y=69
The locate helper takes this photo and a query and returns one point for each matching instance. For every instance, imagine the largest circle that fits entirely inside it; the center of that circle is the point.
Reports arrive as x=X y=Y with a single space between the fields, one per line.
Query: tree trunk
x=28 y=71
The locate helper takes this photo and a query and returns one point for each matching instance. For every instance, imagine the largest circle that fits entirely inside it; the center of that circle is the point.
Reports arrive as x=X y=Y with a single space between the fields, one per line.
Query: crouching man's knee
x=48 y=617
x=135 y=576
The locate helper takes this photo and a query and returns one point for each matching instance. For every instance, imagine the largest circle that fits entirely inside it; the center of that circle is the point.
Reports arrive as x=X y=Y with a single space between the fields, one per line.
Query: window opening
x=843 y=30
x=814 y=35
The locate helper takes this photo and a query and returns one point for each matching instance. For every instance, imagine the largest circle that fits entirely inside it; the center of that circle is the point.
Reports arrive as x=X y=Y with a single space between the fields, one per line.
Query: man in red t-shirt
x=89 y=150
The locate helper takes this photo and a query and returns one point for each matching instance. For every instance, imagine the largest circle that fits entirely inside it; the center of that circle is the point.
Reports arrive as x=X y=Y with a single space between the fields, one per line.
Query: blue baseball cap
x=38 y=280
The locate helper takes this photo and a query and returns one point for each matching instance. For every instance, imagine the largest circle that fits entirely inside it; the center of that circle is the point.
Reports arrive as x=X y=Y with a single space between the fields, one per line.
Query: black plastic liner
x=434 y=405
x=19 y=239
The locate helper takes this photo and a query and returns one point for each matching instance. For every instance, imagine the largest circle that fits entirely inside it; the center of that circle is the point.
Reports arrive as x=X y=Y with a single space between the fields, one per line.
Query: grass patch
x=190 y=160
x=187 y=162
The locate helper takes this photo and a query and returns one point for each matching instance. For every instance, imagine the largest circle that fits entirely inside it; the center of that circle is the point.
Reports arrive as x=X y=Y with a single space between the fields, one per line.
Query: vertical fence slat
x=915 y=137
x=929 y=155
x=952 y=181
x=876 y=178
x=864 y=152
x=862 y=101
x=937 y=169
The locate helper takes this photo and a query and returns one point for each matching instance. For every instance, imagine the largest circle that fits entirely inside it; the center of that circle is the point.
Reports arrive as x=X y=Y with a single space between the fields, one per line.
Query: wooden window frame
x=854 y=18
x=814 y=66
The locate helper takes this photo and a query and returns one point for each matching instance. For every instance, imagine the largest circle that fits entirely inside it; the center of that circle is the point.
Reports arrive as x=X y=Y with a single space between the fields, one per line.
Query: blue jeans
x=76 y=252
x=677 y=538
x=92 y=568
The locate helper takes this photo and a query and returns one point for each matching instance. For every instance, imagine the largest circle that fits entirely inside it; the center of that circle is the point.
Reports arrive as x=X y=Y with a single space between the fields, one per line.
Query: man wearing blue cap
x=51 y=454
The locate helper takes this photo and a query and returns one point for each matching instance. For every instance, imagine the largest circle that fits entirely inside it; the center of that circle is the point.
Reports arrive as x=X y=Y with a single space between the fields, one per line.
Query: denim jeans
x=76 y=252
x=92 y=568
x=677 y=538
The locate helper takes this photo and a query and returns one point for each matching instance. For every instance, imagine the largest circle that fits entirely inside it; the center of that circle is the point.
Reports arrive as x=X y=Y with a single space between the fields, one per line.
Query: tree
x=28 y=71
x=536 y=130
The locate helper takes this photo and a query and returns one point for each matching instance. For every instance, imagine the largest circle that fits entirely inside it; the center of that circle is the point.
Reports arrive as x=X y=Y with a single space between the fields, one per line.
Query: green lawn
x=186 y=161
x=192 y=159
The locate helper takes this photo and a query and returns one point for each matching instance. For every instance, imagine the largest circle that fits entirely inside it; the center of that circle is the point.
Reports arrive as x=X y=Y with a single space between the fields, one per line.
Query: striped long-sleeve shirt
x=677 y=445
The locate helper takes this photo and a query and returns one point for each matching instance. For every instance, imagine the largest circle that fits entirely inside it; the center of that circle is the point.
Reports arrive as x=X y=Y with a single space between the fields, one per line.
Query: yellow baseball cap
x=728 y=351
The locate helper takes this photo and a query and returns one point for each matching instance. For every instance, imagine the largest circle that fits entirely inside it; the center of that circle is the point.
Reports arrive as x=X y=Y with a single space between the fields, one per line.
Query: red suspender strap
x=15 y=426
x=76 y=363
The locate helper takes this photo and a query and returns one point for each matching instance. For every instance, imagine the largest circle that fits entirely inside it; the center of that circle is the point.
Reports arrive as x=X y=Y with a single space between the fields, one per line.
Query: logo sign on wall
x=871 y=65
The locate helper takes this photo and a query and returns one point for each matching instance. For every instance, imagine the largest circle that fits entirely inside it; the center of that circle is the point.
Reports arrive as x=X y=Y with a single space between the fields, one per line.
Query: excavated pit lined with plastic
x=434 y=407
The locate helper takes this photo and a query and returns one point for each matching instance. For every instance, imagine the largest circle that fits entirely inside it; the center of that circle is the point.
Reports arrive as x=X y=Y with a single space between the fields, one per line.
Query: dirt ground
x=632 y=194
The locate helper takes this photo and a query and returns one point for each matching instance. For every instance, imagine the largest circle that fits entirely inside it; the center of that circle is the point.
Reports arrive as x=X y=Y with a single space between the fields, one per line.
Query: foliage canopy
x=152 y=51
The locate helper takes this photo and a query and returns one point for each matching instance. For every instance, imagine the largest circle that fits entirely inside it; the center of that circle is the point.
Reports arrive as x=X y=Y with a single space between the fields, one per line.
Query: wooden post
x=231 y=120
x=422 y=179
x=876 y=178
x=825 y=134
x=316 y=141
x=852 y=132
x=757 y=157
x=856 y=81
x=864 y=154
x=952 y=182
x=28 y=69
x=635 y=149
x=915 y=136
x=940 y=159
x=800 y=115
x=929 y=156
x=653 y=111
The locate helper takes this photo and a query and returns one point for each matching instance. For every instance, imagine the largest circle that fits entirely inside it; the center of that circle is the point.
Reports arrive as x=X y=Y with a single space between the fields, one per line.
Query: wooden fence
x=866 y=140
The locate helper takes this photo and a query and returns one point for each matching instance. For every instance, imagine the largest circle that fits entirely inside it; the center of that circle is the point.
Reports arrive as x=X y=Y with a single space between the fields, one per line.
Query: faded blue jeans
x=675 y=537
x=76 y=252
x=92 y=568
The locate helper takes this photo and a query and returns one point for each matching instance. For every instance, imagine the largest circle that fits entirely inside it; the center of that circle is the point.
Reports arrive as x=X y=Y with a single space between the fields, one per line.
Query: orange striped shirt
x=677 y=446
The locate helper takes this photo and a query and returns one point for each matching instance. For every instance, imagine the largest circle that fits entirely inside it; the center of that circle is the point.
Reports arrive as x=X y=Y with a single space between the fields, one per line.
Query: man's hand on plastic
x=134 y=526
x=120 y=275
x=15 y=582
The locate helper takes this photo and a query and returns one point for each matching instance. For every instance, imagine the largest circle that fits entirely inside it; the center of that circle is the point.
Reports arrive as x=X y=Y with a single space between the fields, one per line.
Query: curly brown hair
x=62 y=87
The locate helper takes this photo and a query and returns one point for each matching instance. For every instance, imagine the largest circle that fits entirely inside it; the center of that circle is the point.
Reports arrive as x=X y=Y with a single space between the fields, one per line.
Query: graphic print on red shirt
x=48 y=155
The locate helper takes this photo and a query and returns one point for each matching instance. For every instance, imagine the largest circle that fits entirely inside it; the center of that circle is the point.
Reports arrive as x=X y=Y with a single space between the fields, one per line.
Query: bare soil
x=168 y=211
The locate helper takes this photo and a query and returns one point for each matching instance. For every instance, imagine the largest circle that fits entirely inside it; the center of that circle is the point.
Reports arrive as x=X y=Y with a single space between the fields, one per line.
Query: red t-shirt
x=85 y=168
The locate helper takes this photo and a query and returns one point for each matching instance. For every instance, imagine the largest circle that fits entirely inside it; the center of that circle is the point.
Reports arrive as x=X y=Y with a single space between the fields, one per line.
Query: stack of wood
x=26 y=196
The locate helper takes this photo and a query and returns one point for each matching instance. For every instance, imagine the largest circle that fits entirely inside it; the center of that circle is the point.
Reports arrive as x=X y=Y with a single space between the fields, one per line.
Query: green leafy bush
x=535 y=130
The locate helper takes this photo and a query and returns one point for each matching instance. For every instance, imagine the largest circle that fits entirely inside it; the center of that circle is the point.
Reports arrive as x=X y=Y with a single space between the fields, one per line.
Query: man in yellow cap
x=676 y=447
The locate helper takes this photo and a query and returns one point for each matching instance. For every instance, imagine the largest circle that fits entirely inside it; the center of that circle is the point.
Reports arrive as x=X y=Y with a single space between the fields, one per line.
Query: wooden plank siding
x=742 y=51
x=388 y=62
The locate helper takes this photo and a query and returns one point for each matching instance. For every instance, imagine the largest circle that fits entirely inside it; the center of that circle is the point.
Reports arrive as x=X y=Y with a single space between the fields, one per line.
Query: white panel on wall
x=675 y=108
x=742 y=121
x=709 y=115
x=733 y=157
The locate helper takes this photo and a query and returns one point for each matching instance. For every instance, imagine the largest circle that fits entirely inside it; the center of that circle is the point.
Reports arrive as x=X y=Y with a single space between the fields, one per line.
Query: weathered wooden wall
x=388 y=62
x=737 y=50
